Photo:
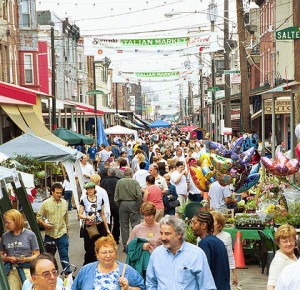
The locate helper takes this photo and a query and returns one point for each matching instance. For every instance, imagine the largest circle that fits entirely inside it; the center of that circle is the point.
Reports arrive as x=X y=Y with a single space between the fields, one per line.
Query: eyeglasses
x=47 y=274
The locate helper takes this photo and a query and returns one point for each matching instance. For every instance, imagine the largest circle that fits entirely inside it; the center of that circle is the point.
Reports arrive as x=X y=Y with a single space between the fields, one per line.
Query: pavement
x=250 y=278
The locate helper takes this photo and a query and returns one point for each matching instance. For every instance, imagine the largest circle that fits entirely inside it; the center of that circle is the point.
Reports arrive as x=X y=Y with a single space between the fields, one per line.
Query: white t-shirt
x=217 y=194
x=181 y=186
x=87 y=170
x=161 y=183
x=279 y=262
x=140 y=177
x=289 y=278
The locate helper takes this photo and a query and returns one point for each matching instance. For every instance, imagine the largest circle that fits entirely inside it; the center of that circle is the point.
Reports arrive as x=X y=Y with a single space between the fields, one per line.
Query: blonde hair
x=219 y=218
x=285 y=231
x=140 y=158
x=104 y=242
x=95 y=178
x=15 y=216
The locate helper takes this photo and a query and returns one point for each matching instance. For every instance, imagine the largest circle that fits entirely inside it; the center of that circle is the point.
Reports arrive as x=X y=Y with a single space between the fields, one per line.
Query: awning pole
x=263 y=129
x=273 y=126
x=292 y=128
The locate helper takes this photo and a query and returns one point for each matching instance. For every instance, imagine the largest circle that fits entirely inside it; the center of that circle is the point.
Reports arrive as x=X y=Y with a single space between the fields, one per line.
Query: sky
x=123 y=19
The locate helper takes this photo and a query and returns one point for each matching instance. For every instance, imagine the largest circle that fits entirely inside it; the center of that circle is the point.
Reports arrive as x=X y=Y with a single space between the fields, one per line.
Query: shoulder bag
x=92 y=231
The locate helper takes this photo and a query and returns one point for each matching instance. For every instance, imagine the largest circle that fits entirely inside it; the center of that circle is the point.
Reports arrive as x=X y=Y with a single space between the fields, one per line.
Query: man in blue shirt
x=203 y=226
x=177 y=264
x=92 y=155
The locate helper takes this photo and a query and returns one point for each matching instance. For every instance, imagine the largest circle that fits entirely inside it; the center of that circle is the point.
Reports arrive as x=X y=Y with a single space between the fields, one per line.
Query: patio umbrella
x=188 y=128
x=72 y=137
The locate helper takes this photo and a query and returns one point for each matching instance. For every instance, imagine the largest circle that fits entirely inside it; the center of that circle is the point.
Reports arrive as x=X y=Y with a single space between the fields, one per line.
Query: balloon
x=207 y=172
x=236 y=146
x=249 y=182
x=254 y=169
x=255 y=158
x=242 y=179
x=244 y=158
x=293 y=166
x=219 y=148
x=297 y=151
x=233 y=173
x=223 y=179
x=220 y=163
x=282 y=166
x=198 y=178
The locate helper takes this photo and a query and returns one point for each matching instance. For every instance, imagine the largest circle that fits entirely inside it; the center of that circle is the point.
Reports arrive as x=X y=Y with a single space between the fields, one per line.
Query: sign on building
x=282 y=106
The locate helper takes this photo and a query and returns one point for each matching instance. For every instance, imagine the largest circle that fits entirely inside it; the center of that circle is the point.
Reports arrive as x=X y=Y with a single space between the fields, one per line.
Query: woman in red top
x=154 y=194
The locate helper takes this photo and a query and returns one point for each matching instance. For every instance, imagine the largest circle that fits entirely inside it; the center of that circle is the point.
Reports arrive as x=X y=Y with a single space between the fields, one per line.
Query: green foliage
x=251 y=204
x=294 y=208
x=30 y=165
x=190 y=237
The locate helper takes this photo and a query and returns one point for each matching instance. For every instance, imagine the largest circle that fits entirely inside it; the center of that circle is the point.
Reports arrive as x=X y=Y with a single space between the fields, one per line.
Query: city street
x=250 y=278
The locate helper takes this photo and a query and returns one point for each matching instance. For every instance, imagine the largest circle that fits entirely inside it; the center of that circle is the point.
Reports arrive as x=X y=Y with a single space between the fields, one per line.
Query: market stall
x=119 y=130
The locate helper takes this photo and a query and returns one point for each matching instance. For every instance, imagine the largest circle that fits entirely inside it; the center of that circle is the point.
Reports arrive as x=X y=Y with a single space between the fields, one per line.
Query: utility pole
x=200 y=89
x=53 y=75
x=227 y=111
x=244 y=101
x=212 y=17
x=296 y=15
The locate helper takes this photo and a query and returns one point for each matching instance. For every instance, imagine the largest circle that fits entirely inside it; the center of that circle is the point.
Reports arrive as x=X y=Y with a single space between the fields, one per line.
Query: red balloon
x=297 y=150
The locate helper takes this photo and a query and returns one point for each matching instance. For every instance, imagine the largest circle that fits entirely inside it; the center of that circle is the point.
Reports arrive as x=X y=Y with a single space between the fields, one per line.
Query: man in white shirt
x=140 y=176
x=86 y=169
x=178 y=178
x=103 y=155
x=159 y=180
x=219 y=195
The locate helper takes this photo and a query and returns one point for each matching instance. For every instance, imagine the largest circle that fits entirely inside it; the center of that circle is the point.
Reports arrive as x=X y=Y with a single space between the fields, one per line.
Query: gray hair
x=113 y=165
x=127 y=172
x=176 y=223
x=111 y=171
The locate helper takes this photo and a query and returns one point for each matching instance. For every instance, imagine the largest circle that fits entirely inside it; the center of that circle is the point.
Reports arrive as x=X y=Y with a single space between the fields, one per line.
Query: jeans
x=68 y=197
x=62 y=244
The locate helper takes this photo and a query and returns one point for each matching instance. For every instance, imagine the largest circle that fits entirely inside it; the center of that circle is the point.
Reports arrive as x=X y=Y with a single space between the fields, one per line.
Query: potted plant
x=251 y=206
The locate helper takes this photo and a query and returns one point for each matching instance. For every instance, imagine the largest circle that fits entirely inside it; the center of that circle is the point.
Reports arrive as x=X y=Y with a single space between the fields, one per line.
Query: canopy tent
x=27 y=178
x=188 y=128
x=44 y=150
x=73 y=138
x=119 y=130
x=196 y=132
x=160 y=124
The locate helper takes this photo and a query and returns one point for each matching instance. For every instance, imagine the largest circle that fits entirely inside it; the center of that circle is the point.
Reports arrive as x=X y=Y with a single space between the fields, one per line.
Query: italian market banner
x=153 y=76
x=104 y=46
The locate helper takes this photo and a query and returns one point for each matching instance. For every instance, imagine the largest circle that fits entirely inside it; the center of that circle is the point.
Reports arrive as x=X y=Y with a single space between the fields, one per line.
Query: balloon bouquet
x=228 y=166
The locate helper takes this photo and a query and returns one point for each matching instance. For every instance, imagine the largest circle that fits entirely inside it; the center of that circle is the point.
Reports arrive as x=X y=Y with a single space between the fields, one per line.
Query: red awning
x=5 y=100
x=19 y=93
x=88 y=109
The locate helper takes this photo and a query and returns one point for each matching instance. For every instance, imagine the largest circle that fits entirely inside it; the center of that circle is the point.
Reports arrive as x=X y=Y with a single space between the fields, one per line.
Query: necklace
x=150 y=233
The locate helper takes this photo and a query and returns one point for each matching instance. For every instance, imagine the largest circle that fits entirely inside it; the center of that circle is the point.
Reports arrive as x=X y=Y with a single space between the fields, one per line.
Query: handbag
x=174 y=203
x=92 y=231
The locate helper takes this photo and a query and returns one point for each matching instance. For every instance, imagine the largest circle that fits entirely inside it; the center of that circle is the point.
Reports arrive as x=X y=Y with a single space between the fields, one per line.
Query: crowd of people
x=133 y=191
